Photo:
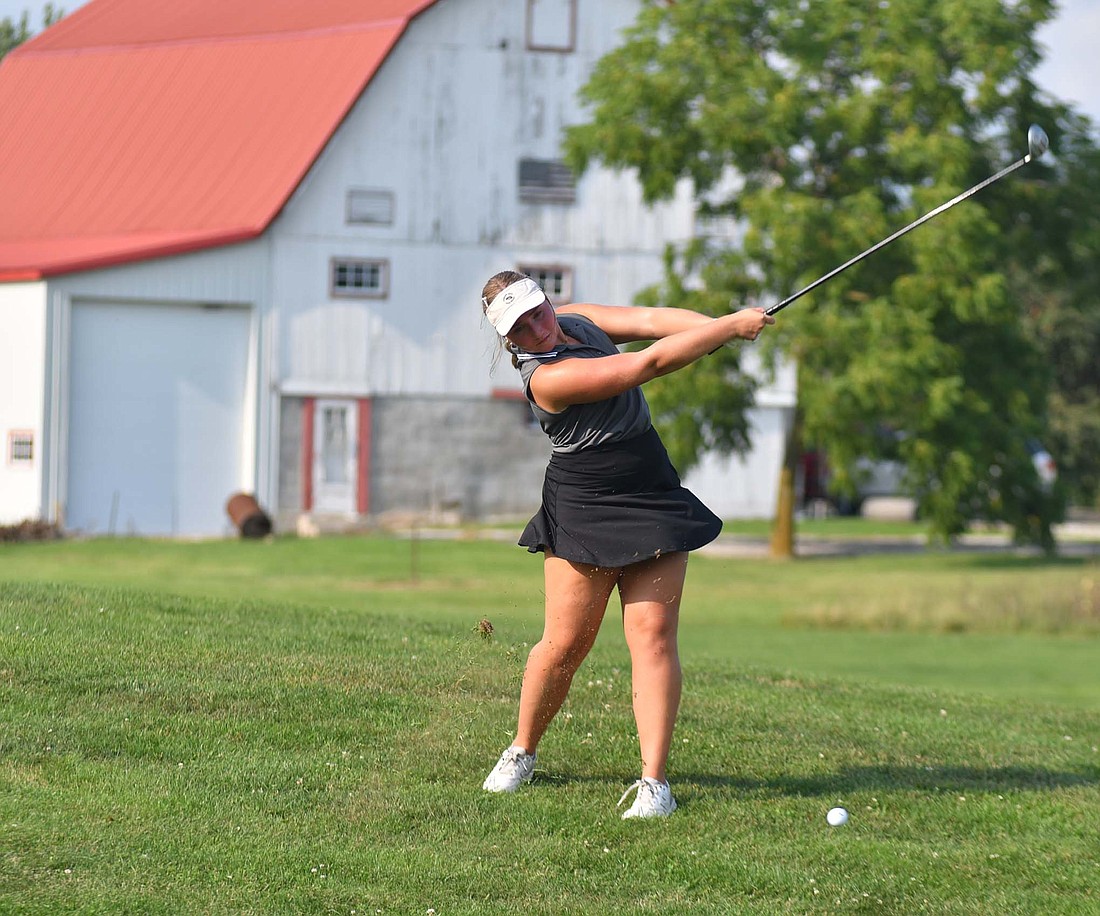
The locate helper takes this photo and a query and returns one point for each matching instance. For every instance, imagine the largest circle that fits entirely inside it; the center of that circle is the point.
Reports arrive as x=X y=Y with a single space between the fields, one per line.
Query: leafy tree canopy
x=13 y=33
x=819 y=129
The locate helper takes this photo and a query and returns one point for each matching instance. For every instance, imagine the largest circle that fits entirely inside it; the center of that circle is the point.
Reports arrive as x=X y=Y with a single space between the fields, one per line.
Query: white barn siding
x=743 y=486
x=443 y=125
x=747 y=486
x=23 y=334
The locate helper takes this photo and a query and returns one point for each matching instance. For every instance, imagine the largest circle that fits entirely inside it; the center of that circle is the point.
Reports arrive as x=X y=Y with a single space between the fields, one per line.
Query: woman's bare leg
x=576 y=599
x=651 y=593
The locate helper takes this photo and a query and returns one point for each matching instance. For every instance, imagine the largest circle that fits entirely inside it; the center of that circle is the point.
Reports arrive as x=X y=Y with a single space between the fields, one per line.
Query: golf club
x=1037 y=144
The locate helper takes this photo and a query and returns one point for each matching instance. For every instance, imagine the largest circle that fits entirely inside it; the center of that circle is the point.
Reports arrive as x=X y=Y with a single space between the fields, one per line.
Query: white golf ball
x=837 y=817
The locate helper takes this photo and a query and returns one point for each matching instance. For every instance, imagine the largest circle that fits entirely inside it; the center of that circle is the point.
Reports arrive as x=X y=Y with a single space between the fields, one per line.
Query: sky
x=1070 y=70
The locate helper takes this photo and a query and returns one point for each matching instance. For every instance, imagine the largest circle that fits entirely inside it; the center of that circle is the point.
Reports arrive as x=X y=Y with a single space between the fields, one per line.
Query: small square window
x=20 y=446
x=555 y=279
x=546 y=181
x=359 y=278
x=371 y=208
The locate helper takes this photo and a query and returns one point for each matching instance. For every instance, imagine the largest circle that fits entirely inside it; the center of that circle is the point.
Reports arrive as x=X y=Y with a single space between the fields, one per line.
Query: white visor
x=512 y=302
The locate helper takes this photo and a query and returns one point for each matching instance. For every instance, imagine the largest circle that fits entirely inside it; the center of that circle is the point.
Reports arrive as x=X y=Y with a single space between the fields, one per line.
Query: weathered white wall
x=236 y=274
x=22 y=393
x=743 y=486
x=443 y=125
x=747 y=486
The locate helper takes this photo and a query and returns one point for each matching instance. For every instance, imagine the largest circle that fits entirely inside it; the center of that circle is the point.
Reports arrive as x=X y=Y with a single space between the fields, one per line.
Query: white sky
x=1070 y=70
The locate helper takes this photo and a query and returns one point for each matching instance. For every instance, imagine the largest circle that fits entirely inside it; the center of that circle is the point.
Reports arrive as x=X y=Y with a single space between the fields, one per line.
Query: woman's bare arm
x=625 y=323
x=555 y=386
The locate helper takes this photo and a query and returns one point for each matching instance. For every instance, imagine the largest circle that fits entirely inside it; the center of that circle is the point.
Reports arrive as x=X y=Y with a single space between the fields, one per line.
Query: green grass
x=833 y=527
x=302 y=727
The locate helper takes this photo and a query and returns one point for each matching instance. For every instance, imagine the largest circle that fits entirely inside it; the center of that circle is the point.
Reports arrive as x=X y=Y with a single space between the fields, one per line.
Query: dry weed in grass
x=1066 y=605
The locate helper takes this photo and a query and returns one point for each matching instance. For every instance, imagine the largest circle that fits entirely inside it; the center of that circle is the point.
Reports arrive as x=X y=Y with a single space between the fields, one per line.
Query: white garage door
x=156 y=417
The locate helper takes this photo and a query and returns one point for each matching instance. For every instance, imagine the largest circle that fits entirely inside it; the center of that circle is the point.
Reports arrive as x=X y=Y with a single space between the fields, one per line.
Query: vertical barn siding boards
x=23 y=330
x=235 y=274
x=443 y=124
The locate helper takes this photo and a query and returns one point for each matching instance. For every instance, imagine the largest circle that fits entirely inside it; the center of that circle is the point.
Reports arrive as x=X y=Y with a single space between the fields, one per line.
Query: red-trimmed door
x=335 y=474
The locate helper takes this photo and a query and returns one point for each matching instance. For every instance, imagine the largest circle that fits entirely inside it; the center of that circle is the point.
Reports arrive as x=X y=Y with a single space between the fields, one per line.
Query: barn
x=242 y=245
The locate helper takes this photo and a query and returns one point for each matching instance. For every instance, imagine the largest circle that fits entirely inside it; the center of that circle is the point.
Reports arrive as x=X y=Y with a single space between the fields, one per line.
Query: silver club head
x=1037 y=141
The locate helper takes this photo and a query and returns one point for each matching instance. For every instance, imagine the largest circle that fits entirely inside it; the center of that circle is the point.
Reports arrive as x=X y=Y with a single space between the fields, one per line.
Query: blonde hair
x=495 y=284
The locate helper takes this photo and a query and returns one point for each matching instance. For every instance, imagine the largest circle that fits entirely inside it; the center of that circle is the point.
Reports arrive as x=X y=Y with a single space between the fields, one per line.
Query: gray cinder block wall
x=474 y=457
x=435 y=459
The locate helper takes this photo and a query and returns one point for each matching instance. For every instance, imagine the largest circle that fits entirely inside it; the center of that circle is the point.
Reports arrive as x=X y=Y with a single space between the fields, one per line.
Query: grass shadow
x=562 y=779
x=904 y=778
x=849 y=779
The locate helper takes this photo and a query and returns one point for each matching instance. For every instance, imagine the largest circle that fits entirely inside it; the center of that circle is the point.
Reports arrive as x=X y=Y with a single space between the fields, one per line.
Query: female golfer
x=613 y=511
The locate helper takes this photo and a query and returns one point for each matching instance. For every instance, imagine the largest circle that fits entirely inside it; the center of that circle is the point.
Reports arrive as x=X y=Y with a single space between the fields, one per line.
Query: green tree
x=13 y=33
x=821 y=128
x=1062 y=298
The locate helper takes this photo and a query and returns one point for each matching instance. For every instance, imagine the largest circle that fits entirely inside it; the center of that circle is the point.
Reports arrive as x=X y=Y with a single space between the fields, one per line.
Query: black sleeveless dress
x=611 y=496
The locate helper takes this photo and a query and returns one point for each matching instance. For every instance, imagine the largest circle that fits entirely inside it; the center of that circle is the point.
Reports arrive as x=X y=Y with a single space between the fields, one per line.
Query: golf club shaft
x=913 y=225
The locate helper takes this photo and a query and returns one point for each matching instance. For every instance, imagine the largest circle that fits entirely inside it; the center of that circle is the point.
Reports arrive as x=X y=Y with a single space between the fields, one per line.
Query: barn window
x=360 y=278
x=556 y=280
x=551 y=25
x=546 y=181
x=372 y=208
x=20 y=446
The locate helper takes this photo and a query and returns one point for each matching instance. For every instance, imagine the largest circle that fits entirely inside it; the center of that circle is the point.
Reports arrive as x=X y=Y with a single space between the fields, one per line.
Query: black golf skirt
x=616 y=504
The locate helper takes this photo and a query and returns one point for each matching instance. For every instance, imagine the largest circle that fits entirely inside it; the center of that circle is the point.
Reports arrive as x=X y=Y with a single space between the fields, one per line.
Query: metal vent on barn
x=374 y=208
x=546 y=181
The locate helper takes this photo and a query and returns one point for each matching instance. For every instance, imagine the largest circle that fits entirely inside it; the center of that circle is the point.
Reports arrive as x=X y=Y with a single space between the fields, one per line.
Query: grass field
x=303 y=726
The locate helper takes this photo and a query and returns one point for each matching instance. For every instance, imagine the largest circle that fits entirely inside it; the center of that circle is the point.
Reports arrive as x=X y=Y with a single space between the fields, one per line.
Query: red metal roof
x=140 y=128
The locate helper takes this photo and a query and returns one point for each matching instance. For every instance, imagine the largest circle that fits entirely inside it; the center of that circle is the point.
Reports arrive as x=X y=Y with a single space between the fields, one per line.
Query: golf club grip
x=779 y=306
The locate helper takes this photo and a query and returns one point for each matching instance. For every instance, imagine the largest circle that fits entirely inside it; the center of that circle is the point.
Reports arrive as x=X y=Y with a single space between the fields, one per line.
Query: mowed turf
x=303 y=726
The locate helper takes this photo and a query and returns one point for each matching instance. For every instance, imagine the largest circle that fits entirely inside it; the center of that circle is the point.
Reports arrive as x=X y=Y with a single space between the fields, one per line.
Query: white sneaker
x=514 y=768
x=654 y=799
